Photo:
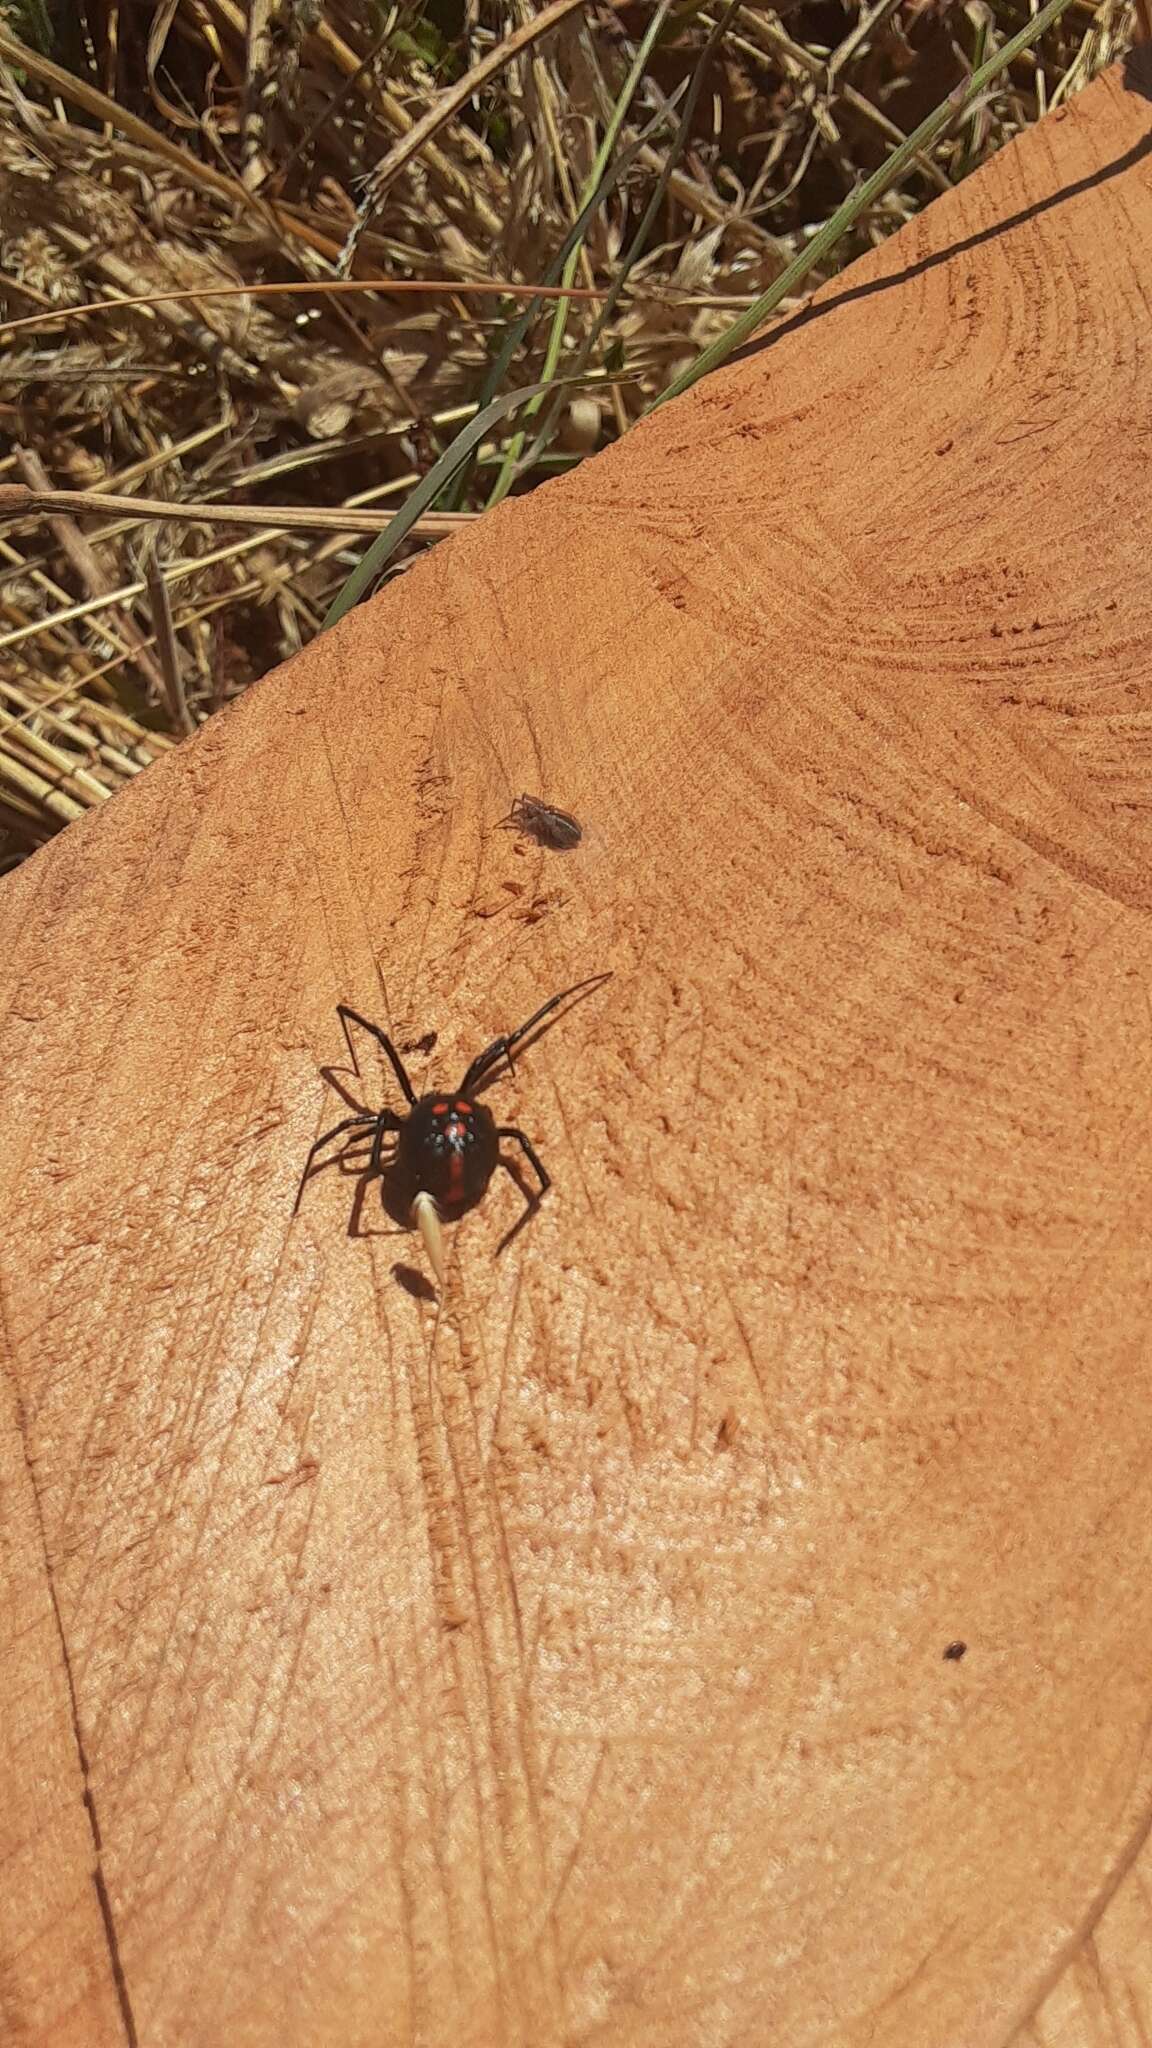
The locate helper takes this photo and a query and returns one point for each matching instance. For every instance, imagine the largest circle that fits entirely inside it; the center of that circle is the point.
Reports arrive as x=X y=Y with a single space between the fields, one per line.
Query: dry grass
x=204 y=145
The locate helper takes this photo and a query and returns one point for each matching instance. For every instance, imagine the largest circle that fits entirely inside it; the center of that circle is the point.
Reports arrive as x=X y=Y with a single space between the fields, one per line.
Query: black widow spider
x=448 y=1144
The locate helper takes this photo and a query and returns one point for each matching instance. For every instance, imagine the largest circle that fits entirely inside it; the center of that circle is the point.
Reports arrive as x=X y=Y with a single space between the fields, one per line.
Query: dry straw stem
x=388 y=287
x=18 y=501
x=78 y=93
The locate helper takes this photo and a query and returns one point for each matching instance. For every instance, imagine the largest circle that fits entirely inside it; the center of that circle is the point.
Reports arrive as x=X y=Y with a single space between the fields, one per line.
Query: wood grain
x=566 y=1666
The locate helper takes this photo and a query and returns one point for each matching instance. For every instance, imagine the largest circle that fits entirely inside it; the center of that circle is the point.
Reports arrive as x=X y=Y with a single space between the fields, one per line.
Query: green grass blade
x=376 y=558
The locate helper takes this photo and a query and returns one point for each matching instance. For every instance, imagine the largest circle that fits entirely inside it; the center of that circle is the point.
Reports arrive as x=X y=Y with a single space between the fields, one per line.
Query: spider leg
x=484 y=1062
x=532 y=1198
x=347 y=1017
x=501 y=1048
x=537 y=1164
x=350 y=1123
x=385 y=1122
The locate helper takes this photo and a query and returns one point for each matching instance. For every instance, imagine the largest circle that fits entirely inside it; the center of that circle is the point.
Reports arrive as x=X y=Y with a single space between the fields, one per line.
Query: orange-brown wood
x=565 y=1665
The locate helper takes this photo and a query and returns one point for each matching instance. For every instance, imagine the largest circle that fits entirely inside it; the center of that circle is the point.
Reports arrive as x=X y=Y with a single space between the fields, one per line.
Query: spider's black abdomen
x=448 y=1149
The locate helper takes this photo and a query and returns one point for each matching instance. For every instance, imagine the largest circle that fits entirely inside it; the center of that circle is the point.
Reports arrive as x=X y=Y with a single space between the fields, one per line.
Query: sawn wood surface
x=565 y=1664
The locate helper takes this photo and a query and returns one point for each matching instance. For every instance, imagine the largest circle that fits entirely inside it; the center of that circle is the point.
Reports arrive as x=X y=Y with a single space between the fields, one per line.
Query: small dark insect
x=448 y=1143
x=954 y=1652
x=545 y=824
